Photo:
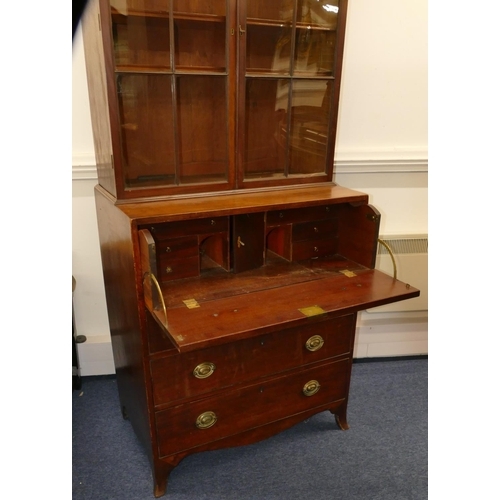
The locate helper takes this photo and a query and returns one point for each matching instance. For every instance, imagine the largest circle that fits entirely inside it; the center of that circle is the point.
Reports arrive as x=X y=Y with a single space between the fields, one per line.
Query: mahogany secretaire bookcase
x=234 y=266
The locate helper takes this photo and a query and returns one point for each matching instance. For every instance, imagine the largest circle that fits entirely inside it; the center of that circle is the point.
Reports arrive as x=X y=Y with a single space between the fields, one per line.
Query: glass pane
x=266 y=105
x=309 y=125
x=318 y=13
x=145 y=103
x=202 y=127
x=209 y=7
x=268 y=49
x=140 y=34
x=315 y=37
x=314 y=52
x=200 y=35
x=269 y=33
x=271 y=11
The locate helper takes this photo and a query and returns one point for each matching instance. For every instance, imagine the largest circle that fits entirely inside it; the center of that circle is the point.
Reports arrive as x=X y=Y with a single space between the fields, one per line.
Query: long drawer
x=305 y=214
x=195 y=373
x=182 y=228
x=197 y=423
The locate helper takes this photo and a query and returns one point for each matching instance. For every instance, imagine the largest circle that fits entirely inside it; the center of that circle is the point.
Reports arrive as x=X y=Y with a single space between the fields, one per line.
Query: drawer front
x=277 y=217
x=314 y=230
x=178 y=268
x=174 y=377
x=184 y=227
x=177 y=248
x=186 y=426
x=308 y=249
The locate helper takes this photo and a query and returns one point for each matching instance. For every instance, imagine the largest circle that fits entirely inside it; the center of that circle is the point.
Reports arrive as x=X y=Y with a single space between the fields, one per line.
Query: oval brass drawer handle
x=311 y=388
x=315 y=343
x=206 y=420
x=204 y=370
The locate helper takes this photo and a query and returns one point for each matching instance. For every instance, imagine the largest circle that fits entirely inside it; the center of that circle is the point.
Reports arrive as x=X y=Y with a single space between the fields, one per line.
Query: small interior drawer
x=174 y=268
x=314 y=229
x=177 y=229
x=177 y=248
x=305 y=214
x=309 y=249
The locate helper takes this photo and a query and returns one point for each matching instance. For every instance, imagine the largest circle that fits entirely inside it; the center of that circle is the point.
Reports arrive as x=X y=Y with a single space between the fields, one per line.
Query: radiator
x=410 y=257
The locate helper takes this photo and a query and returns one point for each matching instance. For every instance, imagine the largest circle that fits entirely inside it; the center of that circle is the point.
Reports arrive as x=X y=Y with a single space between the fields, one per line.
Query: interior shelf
x=297 y=75
x=252 y=21
x=179 y=70
x=119 y=17
x=157 y=70
x=268 y=22
x=212 y=18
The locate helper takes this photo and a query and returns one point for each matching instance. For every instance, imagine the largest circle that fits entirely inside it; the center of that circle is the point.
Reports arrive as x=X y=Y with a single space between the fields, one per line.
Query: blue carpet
x=382 y=457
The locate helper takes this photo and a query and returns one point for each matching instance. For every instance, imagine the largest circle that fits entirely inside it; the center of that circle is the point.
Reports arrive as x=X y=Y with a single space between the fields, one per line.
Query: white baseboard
x=95 y=356
x=375 y=339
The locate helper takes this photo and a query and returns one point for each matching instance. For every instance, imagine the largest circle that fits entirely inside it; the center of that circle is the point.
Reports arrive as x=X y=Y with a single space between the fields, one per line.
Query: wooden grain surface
x=239 y=202
x=252 y=406
x=249 y=359
x=247 y=314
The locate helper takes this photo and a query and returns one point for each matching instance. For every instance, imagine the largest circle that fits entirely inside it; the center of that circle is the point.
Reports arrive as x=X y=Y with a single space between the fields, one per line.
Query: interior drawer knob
x=311 y=388
x=204 y=370
x=315 y=343
x=206 y=420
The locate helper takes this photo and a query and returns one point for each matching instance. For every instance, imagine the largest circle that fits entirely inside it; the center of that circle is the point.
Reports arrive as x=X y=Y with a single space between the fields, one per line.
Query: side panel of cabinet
x=117 y=254
x=96 y=77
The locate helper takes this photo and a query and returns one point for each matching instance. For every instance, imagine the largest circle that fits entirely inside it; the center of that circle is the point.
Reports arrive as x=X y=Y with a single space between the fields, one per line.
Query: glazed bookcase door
x=171 y=71
x=288 y=92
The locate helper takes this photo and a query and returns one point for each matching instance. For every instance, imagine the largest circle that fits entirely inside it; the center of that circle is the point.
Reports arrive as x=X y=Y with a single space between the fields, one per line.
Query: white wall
x=381 y=150
x=384 y=83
